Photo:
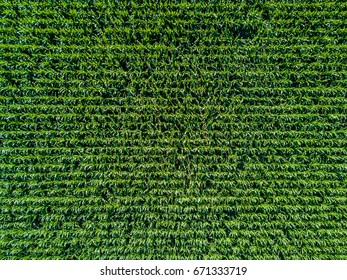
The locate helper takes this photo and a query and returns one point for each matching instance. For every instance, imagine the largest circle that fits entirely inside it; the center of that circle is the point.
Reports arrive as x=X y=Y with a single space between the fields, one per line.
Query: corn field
x=173 y=129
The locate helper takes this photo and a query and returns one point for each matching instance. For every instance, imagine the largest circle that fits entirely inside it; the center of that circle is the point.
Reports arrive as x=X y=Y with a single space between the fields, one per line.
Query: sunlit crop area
x=173 y=129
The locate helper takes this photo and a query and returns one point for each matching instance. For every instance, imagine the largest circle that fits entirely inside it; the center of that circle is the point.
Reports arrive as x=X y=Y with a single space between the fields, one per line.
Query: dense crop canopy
x=173 y=129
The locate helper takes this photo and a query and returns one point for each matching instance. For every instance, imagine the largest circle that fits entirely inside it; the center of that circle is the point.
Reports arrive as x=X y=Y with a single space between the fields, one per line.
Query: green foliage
x=173 y=129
